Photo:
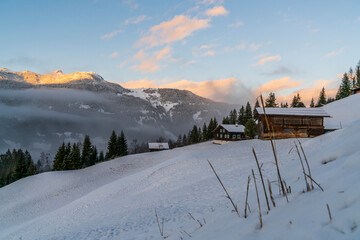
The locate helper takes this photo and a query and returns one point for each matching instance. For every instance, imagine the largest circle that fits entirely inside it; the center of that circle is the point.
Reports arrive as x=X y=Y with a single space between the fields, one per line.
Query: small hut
x=228 y=132
x=153 y=147
x=291 y=122
x=355 y=90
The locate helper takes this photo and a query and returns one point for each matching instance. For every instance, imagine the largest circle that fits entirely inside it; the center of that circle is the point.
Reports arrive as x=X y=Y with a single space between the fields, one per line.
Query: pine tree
x=322 y=98
x=30 y=166
x=194 y=135
x=232 y=117
x=86 y=152
x=179 y=140
x=357 y=73
x=101 y=156
x=123 y=145
x=59 y=158
x=250 y=128
x=242 y=116
x=112 y=146
x=75 y=158
x=345 y=87
x=94 y=156
x=184 y=140
x=256 y=114
x=248 y=112
x=296 y=102
x=204 y=133
x=352 y=78
x=20 y=170
x=271 y=100
x=312 y=104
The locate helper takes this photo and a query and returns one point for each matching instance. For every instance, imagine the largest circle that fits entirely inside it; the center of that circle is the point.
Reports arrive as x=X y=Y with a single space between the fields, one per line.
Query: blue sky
x=226 y=50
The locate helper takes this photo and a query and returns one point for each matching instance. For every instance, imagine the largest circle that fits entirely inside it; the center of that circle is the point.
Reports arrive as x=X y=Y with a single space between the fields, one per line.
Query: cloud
x=150 y=64
x=315 y=30
x=237 y=24
x=132 y=3
x=122 y=64
x=282 y=70
x=224 y=90
x=216 y=11
x=254 y=47
x=111 y=35
x=174 y=30
x=208 y=53
x=278 y=85
x=212 y=2
x=135 y=20
x=113 y=55
x=189 y=63
x=334 y=53
x=267 y=59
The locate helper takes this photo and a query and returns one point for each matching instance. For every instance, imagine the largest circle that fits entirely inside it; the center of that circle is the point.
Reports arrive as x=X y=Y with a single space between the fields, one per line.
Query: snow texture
x=117 y=199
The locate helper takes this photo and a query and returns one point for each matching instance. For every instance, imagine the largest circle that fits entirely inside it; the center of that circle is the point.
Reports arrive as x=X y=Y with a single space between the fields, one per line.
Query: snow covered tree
x=271 y=100
x=250 y=128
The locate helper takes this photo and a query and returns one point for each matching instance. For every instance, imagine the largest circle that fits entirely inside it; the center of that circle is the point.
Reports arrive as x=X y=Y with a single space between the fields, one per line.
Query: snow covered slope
x=116 y=199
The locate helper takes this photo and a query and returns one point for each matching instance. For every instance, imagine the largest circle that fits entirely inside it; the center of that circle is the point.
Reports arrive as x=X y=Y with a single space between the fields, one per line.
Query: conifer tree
x=345 y=87
x=357 y=73
x=184 y=140
x=59 y=158
x=94 y=156
x=256 y=114
x=248 y=112
x=101 y=156
x=312 y=104
x=179 y=141
x=20 y=170
x=296 y=102
x=86 y=152
x=322 y=98
x=242 y=116
x=30 y=166
x=123 y=145
x=112 y=146
x=271 y=100
x=194 y=135
x=352 y=78
x=75 y=158
x=250 y=128
x=204 y=136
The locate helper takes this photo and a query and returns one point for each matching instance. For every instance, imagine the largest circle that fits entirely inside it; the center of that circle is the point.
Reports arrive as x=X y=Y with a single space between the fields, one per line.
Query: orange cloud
x=150 y=64
x=278 y=85
x=223 y=90
x=176 y=29
x=111 y=35
x=216 y=11
x=268 y=59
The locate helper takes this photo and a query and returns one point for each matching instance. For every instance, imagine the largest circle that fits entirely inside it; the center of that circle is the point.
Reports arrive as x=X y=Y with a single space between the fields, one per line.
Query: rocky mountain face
x=38 y=112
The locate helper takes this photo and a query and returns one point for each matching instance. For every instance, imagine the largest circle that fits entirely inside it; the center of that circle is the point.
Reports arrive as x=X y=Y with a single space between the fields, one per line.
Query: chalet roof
x=158 y=146
x=312 y=112
x=232 y=128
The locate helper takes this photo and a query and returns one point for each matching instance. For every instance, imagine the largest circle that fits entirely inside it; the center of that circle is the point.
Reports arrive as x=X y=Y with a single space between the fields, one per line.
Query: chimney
x=236 y=124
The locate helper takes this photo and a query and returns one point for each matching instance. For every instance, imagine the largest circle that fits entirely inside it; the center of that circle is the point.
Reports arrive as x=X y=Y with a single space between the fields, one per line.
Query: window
x=234 y=136
x=239 y=136
x=221 y=136
x=217 y=135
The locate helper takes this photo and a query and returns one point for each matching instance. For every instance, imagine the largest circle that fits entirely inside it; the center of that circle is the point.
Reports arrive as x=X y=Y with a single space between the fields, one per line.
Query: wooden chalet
x=355 y=90
x=228 y=132
x=153 y=147
x=291 y=122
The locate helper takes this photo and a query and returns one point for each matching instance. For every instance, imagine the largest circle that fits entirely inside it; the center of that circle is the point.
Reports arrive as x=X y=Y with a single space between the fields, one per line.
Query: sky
x=226 y=50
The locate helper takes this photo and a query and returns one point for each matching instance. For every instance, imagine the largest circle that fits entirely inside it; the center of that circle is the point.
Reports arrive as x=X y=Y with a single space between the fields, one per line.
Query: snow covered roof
x=315 y=112
x=232 y=128
x=159 y=146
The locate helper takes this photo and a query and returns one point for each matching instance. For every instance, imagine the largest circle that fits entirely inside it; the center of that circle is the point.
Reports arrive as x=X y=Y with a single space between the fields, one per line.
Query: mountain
x=38 y=112
x=117 y=199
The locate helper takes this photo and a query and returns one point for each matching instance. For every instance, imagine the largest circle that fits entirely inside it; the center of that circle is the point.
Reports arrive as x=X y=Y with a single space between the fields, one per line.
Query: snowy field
x=117 y=199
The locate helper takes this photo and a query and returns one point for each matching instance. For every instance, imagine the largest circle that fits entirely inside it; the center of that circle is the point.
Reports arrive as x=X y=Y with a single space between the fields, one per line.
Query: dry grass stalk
x=328 y=208
x=262 y=180
x=227 y=194
x=270 y=192
x=302 y=165
x=183 y=231
x=257 y=195
x=196 y=220
x=161 y=228
x=314 y=182
x=247 y=194
x=307 y=163
x=274 y=151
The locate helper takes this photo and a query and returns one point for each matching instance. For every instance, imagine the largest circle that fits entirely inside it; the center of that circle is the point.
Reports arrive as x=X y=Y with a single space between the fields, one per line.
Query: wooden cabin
x=291 y=122
x=228 y=132
x=355 y=90
x=153 y=147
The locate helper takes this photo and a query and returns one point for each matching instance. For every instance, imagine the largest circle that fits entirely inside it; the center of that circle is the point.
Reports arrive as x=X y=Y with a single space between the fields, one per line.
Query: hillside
x=38 y=112
x=116 y=199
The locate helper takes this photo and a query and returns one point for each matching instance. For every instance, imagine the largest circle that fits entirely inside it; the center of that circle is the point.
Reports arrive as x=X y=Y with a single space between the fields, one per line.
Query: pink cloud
x=216 y=11
x=150 y=63
x=268 y=59
x=278 y=85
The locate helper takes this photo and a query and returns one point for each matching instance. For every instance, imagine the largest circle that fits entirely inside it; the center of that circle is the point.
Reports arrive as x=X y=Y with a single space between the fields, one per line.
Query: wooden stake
x=302 y=165
x=270 y=192
x=257 y=195
x=328 y=208
x=227 y=194
x=247 y=194
x=262 y=180
x=307 y=163
x=274 y=151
